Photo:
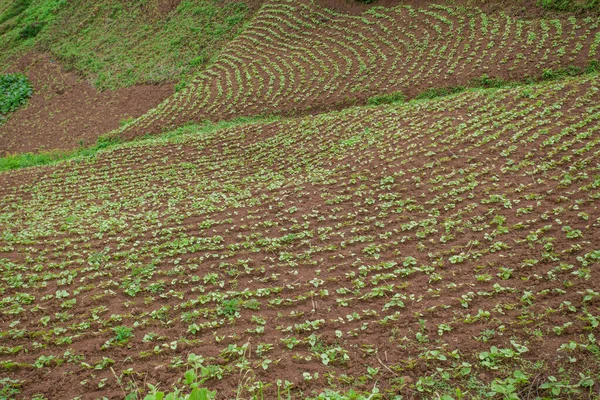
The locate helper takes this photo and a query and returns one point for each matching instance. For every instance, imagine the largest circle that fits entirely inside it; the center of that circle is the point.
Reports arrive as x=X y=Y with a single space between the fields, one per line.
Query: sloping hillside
x=426 y=249
x=95 y=67
x=116 y=43
x=298 y=58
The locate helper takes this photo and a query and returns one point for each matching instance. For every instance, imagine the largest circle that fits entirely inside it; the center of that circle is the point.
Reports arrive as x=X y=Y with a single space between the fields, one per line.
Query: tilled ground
x=298 y=58
x=417 y=248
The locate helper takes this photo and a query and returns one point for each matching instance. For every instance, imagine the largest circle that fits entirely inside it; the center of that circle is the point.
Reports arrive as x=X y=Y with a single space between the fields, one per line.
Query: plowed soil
x=316 y=60
x=407 y=241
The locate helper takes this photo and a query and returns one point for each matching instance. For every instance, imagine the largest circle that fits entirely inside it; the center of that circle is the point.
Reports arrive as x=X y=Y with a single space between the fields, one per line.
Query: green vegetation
x=206 y=232
x=439 y=92
x=21 y=21
x=121 y=43
x=15 y=89
x=24 y=160
x=391 y=98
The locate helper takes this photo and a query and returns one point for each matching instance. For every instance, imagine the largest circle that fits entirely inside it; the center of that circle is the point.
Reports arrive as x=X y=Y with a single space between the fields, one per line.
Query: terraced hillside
x=298 y=57
x=442 y=247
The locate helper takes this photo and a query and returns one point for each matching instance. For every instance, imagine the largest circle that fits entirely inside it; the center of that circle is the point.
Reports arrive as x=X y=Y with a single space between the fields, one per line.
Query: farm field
x=297 y=58
x=443 y=247
x=314 y=199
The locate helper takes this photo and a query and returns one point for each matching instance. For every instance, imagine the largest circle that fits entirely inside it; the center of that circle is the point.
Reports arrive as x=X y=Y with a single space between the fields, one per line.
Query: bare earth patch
x=66 y=111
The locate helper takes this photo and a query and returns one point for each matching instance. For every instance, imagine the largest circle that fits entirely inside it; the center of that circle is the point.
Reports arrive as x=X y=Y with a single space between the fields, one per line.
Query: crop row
x=408 y=246
x=297 y=57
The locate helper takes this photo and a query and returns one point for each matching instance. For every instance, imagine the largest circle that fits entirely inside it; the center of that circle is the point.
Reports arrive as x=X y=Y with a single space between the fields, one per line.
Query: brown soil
x=326 y=69
x=527 y=9
x=65 y=111
x=114 y=181
x=166 y=6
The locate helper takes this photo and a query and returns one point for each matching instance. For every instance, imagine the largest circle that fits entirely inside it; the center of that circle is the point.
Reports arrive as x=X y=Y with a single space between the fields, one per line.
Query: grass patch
x=122 y=43
x=117 y=43
x=14 y=10
x=395 y=97
x=24 y=160
x=570 y=5
x=22 y=23
x=432 y=93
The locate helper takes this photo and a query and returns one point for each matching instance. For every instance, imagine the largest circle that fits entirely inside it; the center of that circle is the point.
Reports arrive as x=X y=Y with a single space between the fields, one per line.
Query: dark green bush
x=386 y=99
x=15 y=89
x=489 y=82
x=31 y=30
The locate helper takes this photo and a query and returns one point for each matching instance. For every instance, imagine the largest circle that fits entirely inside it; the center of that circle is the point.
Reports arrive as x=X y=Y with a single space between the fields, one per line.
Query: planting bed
x=433 y=248
x=298 y=57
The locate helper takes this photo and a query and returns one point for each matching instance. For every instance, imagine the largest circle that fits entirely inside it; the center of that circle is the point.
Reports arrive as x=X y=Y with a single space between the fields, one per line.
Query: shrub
x=31 y=30
x=486 y=81
x=15 y=89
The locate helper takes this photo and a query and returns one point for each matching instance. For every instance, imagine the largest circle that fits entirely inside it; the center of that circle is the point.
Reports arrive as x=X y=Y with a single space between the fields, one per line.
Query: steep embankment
x=298 y=58
x=134 y=51
x=418 y=248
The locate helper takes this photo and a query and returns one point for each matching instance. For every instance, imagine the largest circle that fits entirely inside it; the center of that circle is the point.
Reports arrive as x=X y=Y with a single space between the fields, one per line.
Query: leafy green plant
x=193 y=378
x=122 y=333
x=15 y=89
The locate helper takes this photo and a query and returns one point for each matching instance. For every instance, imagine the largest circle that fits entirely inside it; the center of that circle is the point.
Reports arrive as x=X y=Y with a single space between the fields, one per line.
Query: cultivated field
x=302 y=58
x=446 y=247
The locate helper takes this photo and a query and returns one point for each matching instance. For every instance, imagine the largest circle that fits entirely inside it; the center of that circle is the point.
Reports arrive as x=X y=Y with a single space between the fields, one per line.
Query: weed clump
x=395 y=97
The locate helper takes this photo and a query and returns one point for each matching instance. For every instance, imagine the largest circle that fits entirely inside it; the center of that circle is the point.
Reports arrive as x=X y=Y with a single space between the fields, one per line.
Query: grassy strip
x=25 y=160
x=396 y=97
x=432 y=93
x=570 y=5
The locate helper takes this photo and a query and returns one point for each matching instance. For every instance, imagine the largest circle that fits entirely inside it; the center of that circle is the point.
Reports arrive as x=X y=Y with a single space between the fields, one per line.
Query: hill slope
x=95 y=66
x=417 y=247
x=297 y=58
